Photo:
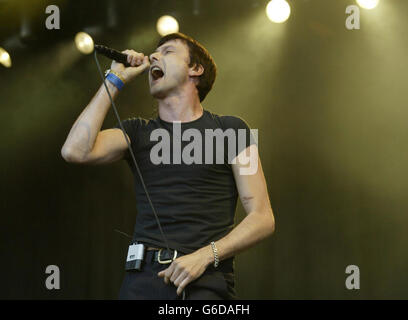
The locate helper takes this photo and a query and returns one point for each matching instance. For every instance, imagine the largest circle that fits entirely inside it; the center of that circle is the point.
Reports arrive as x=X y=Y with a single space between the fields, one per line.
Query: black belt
x=163 y=256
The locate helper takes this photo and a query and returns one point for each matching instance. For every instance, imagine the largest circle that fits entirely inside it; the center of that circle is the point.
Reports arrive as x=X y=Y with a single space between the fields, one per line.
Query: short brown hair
x=198 y=55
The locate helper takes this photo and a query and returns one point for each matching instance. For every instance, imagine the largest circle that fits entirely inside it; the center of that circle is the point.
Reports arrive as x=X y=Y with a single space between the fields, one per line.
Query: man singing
x=195 y=200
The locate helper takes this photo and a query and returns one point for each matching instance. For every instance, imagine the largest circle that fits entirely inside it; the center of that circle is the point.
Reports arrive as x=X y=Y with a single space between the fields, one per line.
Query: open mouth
x=156 y=72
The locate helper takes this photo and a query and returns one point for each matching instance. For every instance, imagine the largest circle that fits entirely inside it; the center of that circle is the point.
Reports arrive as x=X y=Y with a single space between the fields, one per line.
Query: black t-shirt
x=195 y=202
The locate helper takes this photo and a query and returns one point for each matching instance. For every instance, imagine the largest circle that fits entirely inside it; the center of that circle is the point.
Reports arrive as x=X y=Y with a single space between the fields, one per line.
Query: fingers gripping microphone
x=112 y=54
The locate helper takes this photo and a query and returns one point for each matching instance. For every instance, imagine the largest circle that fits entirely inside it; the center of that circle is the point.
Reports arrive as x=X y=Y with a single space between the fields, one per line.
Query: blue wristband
x=115 y=80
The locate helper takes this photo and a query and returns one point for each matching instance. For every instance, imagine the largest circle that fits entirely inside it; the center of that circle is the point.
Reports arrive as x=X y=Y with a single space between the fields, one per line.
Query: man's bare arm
x=83 y=134
x=85 y=142
x=259 y=222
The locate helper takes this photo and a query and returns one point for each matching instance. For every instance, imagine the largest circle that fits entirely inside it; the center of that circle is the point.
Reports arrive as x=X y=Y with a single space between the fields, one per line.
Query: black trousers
x=147 y=285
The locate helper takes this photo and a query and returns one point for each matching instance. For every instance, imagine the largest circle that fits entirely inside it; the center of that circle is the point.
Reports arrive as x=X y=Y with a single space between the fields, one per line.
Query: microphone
x=112 y=54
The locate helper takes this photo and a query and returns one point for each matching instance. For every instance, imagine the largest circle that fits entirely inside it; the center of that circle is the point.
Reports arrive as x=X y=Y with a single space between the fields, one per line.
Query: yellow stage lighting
x=166 y=25
x=84 y=42
x=278 y=11
x=5 y=59
x=368 y=4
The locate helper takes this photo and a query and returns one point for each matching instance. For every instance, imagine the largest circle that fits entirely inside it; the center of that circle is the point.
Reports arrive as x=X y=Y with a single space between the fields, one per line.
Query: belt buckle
x=166 y=261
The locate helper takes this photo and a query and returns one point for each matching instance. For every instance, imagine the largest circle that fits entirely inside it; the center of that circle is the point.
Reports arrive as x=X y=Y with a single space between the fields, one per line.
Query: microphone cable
x=131 y=152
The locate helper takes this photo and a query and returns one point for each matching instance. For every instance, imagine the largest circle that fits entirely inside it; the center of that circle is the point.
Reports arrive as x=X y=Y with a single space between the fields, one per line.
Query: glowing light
x=278 y=11
x=84 y=43
x=5 y=59
x=166 y=25
x=368 y=4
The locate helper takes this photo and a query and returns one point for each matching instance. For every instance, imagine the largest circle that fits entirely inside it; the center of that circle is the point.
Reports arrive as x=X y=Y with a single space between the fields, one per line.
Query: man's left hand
x=187 y=268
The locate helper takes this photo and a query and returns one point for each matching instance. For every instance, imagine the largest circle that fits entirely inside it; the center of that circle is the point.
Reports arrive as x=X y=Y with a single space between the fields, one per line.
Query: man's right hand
x=138 y=61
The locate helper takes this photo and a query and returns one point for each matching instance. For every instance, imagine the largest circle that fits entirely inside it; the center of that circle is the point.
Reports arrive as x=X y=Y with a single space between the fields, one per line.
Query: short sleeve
x=131 y=127
x=245 y=135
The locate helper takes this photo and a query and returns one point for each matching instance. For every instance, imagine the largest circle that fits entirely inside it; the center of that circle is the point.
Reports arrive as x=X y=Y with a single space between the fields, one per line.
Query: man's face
x=168 y=68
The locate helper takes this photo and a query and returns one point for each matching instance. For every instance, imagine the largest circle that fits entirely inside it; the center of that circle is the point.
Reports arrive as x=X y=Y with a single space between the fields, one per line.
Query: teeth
x=156 y=72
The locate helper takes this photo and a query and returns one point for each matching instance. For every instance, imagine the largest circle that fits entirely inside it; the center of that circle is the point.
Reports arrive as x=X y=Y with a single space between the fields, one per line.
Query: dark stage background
x=331 y=108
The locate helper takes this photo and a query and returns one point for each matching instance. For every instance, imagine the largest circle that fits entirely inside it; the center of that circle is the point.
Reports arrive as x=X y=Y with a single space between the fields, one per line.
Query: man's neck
x=180 y=107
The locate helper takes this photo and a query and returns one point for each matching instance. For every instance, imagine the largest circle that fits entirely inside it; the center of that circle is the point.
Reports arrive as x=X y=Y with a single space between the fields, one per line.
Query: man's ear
x=196 y=70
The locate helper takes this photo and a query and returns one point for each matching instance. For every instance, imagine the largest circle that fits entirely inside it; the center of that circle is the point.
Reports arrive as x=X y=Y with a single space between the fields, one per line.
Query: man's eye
x=167 y=51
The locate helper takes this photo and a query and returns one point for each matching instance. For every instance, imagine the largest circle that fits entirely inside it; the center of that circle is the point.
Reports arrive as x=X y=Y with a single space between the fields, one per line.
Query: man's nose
x=154 y=57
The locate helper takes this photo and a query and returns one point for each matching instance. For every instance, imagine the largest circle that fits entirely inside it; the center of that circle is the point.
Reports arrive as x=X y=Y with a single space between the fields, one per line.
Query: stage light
x=84 y=42
x=166 y=25
x=368 y=4
x=278 y=11
x=5 y=59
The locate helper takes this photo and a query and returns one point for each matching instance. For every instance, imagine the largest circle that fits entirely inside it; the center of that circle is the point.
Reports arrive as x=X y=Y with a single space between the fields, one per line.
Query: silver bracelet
x=215 y=252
